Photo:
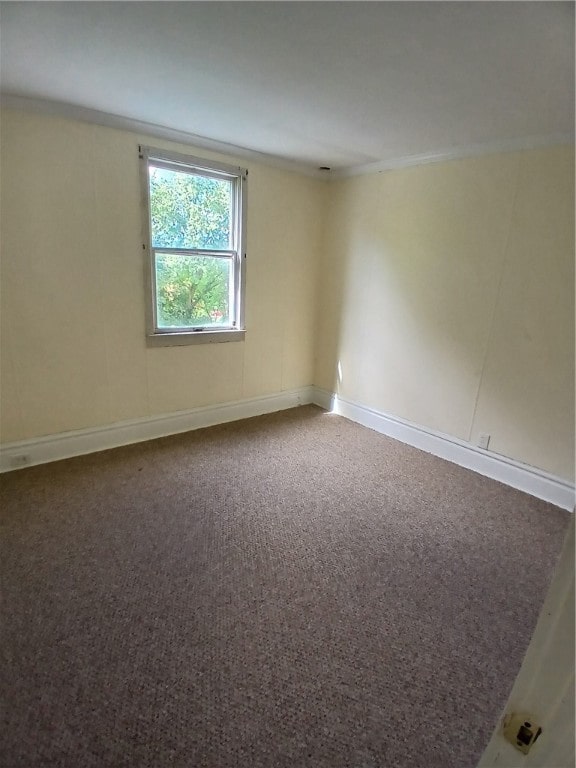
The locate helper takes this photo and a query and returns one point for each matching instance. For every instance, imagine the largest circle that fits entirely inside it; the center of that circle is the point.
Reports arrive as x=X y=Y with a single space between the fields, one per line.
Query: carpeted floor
x=292 y=590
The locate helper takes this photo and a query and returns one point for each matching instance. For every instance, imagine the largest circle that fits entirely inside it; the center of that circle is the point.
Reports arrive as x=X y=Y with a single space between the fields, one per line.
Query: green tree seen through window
x=190 y=211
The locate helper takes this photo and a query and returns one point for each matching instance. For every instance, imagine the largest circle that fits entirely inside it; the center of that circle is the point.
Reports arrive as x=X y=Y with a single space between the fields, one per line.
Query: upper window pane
x=188 y=210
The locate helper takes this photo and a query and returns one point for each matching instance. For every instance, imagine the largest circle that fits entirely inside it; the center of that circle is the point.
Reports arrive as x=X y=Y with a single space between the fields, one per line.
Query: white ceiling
x=317 y=83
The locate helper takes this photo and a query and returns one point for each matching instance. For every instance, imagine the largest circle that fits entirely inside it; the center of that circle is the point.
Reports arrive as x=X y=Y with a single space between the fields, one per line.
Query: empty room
x=287 y=384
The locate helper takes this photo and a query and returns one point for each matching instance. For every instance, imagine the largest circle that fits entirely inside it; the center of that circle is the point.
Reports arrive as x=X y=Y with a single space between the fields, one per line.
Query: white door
x=544 y=687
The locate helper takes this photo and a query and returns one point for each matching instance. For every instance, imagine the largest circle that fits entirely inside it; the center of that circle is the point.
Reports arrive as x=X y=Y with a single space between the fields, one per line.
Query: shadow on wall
x=424 y=296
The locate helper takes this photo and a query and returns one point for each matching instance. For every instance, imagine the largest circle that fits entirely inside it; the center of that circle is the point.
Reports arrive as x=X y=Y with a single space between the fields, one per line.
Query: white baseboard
x=27 y=453
x=513 y=473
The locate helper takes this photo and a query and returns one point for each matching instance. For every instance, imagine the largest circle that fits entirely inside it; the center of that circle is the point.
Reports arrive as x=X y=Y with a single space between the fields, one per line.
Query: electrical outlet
x=21 y=460
x=483 y=440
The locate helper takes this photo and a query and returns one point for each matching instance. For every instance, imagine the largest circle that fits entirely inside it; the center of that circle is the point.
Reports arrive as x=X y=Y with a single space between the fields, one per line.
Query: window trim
x=155 y=336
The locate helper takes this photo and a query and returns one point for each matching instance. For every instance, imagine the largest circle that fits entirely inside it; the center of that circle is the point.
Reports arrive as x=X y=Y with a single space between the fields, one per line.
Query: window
x=196 y=235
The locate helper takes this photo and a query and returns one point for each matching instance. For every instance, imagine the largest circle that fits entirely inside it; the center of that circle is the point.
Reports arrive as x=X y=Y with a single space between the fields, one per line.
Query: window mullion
x=196 y=252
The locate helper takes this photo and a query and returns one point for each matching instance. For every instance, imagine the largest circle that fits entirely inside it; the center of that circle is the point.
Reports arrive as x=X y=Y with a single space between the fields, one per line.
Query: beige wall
x=73 y=344
x=447 y=299
x=444 y=293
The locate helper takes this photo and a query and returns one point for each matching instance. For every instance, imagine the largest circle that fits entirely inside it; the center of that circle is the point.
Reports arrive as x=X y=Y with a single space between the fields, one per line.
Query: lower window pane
x=193 y=291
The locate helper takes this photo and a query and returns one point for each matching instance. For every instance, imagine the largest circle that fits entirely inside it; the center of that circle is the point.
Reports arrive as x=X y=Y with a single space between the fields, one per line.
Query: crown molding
x=457 y=153
x=87 y=115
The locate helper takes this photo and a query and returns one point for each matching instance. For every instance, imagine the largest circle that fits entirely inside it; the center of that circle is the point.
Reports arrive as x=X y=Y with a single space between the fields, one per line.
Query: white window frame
x=237 y=253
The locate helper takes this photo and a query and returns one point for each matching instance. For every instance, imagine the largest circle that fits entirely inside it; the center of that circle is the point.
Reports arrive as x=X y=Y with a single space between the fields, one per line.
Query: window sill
x=196 y=337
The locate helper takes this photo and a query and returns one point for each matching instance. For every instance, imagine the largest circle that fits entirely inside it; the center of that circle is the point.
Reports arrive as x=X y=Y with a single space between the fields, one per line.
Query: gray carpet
x=291 y=590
